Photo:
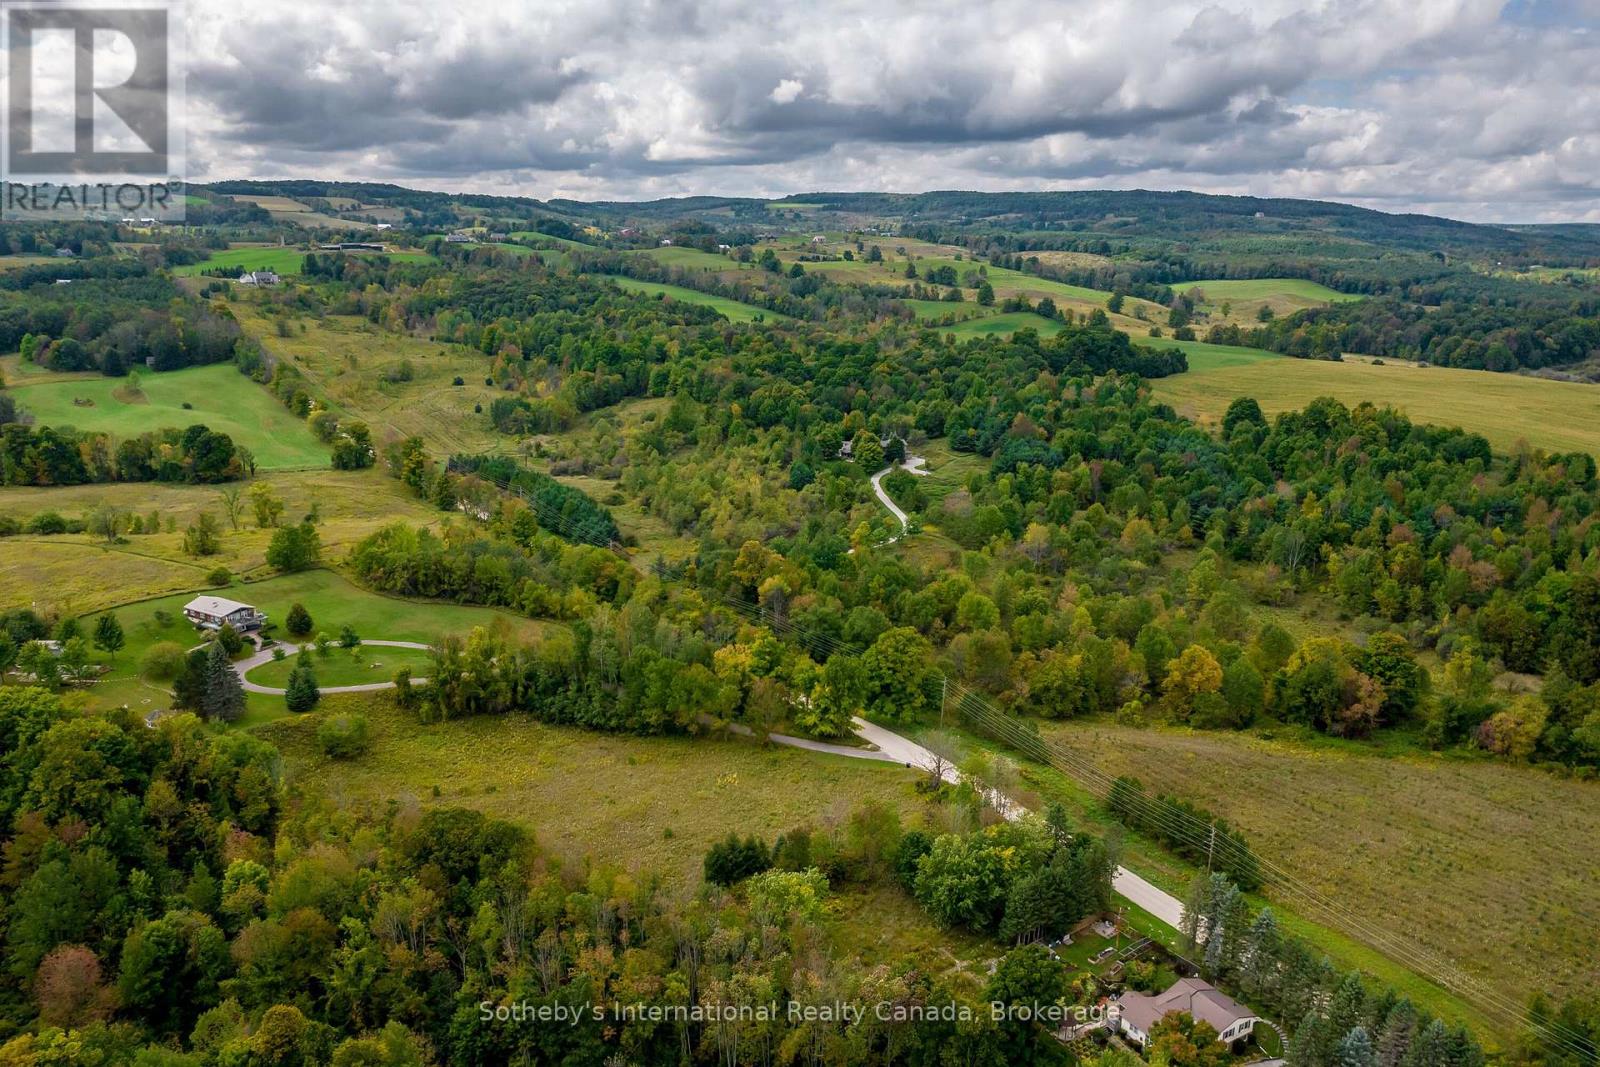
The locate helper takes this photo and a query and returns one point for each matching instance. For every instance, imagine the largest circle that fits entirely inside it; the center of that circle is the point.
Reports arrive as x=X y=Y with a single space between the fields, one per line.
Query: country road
x=903 y=750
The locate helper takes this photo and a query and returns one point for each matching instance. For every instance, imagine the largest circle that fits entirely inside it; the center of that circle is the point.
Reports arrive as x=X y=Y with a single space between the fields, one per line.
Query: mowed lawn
x=218 y=396
x=735 y=310
x=1489 y=865
x=1505 y=408
x=365 y=665
x=652 y=803
x=333 y=602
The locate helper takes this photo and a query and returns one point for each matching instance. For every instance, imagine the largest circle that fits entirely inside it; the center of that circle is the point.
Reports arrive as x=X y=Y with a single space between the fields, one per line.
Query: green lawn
x=733 y=309
x=1007 y=323
x=218 y=396
x=343 y=666
x=333 y=603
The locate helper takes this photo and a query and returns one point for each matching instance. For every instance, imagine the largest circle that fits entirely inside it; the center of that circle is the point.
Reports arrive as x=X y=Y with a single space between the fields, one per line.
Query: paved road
x=245 y=666
x=1156 y=901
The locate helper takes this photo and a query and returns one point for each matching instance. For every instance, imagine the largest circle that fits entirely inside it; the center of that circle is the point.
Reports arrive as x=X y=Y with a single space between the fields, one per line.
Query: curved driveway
x=245 y=666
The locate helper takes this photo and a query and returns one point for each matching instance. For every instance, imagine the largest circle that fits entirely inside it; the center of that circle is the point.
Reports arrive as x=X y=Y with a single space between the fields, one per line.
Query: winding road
x=913 y=465
x=250 y=663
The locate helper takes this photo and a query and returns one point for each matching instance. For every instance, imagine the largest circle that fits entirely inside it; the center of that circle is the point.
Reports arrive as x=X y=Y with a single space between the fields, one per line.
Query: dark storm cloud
x=1431 y=101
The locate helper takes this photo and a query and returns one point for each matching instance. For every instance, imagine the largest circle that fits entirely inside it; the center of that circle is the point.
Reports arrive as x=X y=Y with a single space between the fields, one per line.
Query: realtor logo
x=91 y=122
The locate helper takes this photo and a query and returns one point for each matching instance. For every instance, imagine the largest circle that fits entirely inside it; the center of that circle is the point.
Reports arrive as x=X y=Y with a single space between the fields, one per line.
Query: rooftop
x=1202 y=1000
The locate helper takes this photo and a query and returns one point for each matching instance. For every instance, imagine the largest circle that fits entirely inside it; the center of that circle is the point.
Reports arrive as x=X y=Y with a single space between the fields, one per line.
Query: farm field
x=286 y=261
x=1504 y=408
x=694 y=259
x=926 y=310
x=287 y=209
x=1007 y=323
x=1261 y=289
x=1204 y=356
x=735 y=310
x=77 y=573
x=218 y=396
x=637 y=802
x=1415 y=842
x=333 y=602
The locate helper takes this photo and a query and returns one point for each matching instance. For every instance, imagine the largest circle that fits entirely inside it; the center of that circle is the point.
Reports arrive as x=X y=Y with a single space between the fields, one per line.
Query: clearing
x=735 y=310
x=217 y=395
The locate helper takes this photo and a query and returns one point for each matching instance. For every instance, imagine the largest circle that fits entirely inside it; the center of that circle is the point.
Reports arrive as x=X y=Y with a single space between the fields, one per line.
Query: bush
x=163 y=661
x=47 y=522
x=299 y=622
x=220 y=576
x=344 y=736
x=229 y=639
x=731 y=860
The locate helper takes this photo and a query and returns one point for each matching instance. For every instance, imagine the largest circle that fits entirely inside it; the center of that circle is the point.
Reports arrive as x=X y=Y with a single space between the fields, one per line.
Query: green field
x=218 y=396
x=692 y=258
x=1208 y=357
x=284 y=261
x=1504 y=408
x=934 y=310
x=1260 y=289
x=733 y=309
x=648 y=803
x=367 y=665
x=1007 y=323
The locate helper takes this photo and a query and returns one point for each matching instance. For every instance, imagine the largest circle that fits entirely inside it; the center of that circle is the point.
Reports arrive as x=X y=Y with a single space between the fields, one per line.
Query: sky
x=1483 y=110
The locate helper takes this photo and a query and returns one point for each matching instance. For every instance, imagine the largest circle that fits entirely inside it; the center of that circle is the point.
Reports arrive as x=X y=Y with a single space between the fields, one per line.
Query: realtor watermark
x=93 y=111
x=794 y=1012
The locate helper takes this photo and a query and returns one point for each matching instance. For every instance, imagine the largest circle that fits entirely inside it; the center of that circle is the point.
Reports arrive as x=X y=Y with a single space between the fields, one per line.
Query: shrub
x=299 y=621
x=219 y=576
x=731 y=860
x=230 y=640
x=163 y=661
x=344 y=736
x=47 y=522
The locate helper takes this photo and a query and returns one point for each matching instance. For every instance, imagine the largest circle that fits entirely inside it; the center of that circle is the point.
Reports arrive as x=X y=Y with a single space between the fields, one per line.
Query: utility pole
x=943 y=681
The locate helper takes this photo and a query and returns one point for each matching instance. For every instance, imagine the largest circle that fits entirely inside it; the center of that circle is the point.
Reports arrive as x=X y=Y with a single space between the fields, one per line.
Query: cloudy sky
x=1478 y=109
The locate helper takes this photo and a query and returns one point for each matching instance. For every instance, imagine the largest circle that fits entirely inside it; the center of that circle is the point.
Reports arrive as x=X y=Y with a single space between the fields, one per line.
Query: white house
x=666 y=241
x=210 y=612
x=258 y=277
x=1136 y=1014
x=459 y=238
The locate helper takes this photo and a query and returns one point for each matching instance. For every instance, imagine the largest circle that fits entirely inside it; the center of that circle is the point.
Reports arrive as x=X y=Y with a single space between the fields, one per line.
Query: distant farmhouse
x=355 y=246
x=460 y=238
x=499 y=236
x=258 y=277
x=210 y=612
x=1137 y=1014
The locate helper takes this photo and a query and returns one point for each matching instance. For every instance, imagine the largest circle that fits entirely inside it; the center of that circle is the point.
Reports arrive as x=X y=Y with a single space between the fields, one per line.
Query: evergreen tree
x=1305 y=1048
x=1399 y=1029
x=1354 y=1049
x=221 y=695
x=1260 y=964
x=301 y=693
x=298 y=622
x=1432 y=1048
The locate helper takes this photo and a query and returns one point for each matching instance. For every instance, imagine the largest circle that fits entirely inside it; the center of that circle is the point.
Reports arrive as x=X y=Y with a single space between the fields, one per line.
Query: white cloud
x=1398 y=103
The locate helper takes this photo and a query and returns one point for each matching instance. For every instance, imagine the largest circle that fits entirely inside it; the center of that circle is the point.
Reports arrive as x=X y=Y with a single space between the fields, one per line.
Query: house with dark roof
x=1137 y=1014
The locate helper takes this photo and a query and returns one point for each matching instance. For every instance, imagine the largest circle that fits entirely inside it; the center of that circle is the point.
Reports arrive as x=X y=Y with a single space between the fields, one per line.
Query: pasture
x=734 y=310
x=1008 y=323
x=285 y=261
x=217 y=395
x=1504 y=408
x=1473 y=858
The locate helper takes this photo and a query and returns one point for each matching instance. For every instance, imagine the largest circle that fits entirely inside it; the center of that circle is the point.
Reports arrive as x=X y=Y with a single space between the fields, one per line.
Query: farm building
x=1137 y=1013
x=258 y=277
x=210 y=612
x=459 y=238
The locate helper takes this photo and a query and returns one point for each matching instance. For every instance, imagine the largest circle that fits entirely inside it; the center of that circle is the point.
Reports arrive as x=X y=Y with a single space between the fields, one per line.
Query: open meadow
x=735 y=310
x=1476 y=860
x=636 y=802
x=77 y=573
x=218 y=396
x=1504 y=408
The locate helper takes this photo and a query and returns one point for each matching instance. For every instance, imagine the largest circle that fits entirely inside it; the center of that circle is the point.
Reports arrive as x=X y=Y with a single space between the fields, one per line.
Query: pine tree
x=1305 y=1048
x=1194 y=913
x=1399 y=1029
x=221 y=695
x=1354 y=1049
x=108 y=636
x=1432 y=1048
x=301 y=693
x=1260 y=963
